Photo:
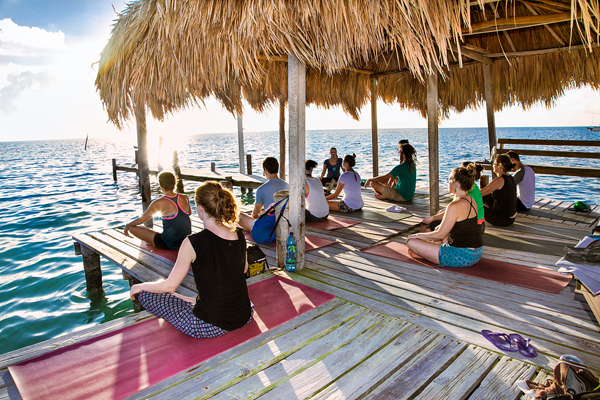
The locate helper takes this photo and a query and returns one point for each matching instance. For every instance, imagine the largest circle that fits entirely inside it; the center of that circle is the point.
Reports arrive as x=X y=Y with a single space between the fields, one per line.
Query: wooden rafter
x=285 y=59
x=472 y=54
x=552 y=32
x=542 y=51
x=506 y=24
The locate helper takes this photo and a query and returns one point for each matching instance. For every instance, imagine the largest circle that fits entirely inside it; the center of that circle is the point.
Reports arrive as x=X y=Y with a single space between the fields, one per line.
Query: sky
x=48 y=51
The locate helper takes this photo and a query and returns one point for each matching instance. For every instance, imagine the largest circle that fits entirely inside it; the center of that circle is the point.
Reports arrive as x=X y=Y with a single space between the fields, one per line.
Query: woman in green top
x=399 y=184
x=435 y=220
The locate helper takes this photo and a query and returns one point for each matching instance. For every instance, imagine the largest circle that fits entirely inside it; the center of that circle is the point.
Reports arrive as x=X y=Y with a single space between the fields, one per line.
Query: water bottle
x=290 y=259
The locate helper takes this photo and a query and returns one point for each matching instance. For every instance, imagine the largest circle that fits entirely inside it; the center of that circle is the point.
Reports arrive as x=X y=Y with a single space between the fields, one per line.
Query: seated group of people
x=455 y=236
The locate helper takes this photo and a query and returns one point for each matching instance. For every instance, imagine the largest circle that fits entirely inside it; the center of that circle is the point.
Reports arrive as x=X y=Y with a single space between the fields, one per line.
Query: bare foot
x=412 y=254
x=424 y=230
x=380 y=196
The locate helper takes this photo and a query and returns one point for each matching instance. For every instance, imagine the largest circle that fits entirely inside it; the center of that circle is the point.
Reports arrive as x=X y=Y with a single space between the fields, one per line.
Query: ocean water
x=52 y=190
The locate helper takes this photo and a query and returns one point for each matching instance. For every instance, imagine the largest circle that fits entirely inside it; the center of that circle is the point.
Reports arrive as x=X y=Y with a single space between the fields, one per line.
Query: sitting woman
x=317 y=209
x=350 y=184
x=399 y=184
x=435 y=220
x=175 y=211
x=217 y=257
x=332 y=166
x=500 y=196
x=457 y=242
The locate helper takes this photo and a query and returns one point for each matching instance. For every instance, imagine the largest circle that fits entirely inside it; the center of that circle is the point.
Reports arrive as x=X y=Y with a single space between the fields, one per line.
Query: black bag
x=257 y=261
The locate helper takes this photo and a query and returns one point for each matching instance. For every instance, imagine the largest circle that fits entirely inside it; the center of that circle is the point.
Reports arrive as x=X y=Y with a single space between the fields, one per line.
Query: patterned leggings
x=180 y=314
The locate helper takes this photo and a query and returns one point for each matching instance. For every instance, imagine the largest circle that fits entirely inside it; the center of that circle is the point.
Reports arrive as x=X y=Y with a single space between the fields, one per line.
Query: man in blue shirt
x=264 y=194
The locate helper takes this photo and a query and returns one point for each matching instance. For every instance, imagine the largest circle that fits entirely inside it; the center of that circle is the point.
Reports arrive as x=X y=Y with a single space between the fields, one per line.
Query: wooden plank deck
x=395 y=330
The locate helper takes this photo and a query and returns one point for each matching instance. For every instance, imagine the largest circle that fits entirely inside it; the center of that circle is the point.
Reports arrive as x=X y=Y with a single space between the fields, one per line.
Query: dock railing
x=589 y=172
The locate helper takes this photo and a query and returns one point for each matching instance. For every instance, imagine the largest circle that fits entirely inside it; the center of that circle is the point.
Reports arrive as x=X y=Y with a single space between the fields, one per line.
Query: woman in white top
x=317 y=209
x=350 y=184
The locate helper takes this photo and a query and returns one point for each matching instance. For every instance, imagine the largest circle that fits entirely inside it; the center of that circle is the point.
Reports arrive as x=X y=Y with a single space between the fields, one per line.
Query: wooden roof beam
x=506 y=24
x=472 y=55
x=541 y=51
x=556 y=4
x=552 y=32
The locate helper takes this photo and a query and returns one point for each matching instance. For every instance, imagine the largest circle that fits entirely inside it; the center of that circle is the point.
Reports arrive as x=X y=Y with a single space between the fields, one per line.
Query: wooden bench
x=588 y=172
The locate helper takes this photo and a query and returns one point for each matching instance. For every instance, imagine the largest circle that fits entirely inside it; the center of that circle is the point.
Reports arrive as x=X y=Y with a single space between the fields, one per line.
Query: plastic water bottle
x=290 y=259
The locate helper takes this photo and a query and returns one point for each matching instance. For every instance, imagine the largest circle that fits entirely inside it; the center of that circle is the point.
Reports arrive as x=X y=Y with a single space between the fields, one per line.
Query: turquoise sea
x=51 y=190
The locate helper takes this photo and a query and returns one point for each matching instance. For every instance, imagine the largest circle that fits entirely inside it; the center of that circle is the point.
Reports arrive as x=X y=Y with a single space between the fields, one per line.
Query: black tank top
x=505 y=199
x=466 y=233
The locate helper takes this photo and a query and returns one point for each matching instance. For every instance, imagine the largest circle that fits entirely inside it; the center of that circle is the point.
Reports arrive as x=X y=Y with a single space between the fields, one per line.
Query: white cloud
x=28 y=45
x=19 y=83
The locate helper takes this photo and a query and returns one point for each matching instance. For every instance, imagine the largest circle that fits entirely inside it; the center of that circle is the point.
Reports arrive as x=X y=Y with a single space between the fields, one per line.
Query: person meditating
x=457 y=241
x=399 y=184
x=317 y=209
x=217 y=257
x=525 y=181
x=264 y=193
x=332 y=166
x=350 y=184
x=500 y=195
x=175 y=212
x=435 y=220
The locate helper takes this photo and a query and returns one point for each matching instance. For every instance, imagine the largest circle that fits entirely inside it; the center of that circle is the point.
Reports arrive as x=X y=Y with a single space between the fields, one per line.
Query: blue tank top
x=333 y=171
x=176 y=227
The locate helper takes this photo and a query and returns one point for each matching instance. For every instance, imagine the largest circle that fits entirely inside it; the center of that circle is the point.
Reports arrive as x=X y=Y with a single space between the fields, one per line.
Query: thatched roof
x=170 y=54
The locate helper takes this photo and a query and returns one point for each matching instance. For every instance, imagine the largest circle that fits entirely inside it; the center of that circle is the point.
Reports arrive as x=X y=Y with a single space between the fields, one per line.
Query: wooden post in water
x=433 y=145
x=92 y=270
x=114 y=165
x=143 y=167
x=282 y=138
x=297 y=145
x=489 y=105
x=213 y=166
x=283 y=229
x=249 y=163
x=374 y=140
x=240 y=127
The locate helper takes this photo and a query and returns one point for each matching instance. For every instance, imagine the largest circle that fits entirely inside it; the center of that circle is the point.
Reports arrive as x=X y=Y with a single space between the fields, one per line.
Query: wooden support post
x=137 y=307
x=227 y=183
x=374 y=144
x=143 y=166
x=489 y=105
x=93 y=272
x=114 y=165
x=213 y=166
x=433 y=145
x=297 y=145
x=282 y=138
x=177 y=170
x=249 y=163
x=283 y=229
x=240 y=142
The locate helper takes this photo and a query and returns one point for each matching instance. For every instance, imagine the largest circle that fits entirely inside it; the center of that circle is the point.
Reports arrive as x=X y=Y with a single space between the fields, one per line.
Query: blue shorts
x=458 y=256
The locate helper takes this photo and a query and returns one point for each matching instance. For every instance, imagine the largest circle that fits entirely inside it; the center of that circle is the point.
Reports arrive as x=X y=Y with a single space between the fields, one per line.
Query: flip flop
x=500 y=340
x=526 y=389
x=523 y=345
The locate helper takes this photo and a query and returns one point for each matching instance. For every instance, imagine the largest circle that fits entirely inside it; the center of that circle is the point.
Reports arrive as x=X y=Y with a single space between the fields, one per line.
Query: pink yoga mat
x=541 y=279
x=310 y=242
x=170 y=255
x=332 y=223
x=121 y=363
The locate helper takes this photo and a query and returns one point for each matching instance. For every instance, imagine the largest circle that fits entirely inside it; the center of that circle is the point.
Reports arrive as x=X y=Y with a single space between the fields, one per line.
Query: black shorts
x=159 y=243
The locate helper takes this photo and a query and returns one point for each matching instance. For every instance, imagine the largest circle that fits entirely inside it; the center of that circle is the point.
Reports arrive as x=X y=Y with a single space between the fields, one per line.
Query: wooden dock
x=395 y=330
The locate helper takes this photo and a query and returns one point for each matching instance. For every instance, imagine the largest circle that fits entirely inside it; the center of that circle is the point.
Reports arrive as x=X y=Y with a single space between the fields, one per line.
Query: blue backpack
x=263 y=230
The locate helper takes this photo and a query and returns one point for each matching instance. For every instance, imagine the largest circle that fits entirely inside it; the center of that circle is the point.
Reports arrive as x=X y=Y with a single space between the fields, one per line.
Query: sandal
x=500 y=340
x=523 y=345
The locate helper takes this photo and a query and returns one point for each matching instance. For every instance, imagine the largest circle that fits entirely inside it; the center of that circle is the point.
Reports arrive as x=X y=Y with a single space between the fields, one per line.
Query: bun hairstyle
x=219 y=203
x=504 y=162
x=478 y=168
x=410 y=154
x=166 y=180
x=465 y=176
x=350 y=159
